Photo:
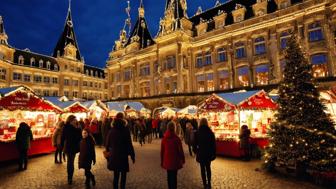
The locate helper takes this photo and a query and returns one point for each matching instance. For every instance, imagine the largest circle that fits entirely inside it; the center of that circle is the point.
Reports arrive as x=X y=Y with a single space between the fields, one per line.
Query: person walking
x=172 y=155
x=119 y=146
x=23 y=137
x=244 y=137
x=56 y=141
x=189 y=137
x=205 y=149
x=71 y=137
x=87 y=156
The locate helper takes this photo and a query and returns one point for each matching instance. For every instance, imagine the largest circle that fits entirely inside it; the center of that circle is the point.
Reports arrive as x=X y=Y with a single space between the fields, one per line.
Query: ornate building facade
x=63 y=73
x=235 y=45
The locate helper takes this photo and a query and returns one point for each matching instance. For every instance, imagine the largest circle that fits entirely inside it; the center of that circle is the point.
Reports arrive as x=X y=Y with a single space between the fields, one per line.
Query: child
x=87 y=156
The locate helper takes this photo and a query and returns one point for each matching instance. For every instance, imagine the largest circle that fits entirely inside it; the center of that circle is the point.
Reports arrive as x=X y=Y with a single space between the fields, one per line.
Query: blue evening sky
x=37 y=24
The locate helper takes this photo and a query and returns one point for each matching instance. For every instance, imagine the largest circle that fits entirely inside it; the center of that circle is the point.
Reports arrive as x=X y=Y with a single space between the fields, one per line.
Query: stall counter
x=37 y=146
x=231 y=148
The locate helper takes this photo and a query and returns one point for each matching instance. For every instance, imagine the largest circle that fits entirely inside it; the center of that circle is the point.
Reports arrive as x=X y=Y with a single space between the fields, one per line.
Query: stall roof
x=135 y=105
x=237 y=97
x=4 y=91
x=191 y=109
x=90 y=103
x=117 y=106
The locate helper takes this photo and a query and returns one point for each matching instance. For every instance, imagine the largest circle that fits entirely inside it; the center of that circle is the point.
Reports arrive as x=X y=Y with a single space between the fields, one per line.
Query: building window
x=17 y=76
x=85 y=83
x=46 y=79
x=75 y=82
x=91 y=84
x=105 y=85
x=126 y=91
x=66 y=93
x=243 y=76
x=75 y=94
x=199 y=61
x=41 y=64
x=315 y=32
x=284 y=36
x=55 y=80
x=208 y=60
x=259 y=46
x=167 y=82
x=240 y=50
x=84 y=95
x=262 y=74
x=55 y=67
x=221 y=55
x=37 y=79
x=21 y=60
x=78 y=70
x=45 y=93
x=224 y=79
x=319 y=65
x=26 y=78
x=145 y=89
x=127 y=75
x=210 y=82
x=32 y=62
x=170 y=63
x=117 y=77
x=3 y=73
x=144 y=70
x=66 y=82
x=119 y=90
x=55 y=93
x=96 y=85
x=48 y=65
x=200 y=83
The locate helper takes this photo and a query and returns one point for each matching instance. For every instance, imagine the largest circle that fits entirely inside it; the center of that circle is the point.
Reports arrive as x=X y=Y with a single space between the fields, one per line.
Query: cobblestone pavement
x=146 y=173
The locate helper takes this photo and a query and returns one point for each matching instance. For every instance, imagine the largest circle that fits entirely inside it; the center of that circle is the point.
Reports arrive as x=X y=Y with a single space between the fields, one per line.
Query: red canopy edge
x=216 y=103
x=260 y=100
x=76 y=108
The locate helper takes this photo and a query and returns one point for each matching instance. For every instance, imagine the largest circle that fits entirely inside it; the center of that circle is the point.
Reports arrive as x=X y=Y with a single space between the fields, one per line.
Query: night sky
x=37 y=24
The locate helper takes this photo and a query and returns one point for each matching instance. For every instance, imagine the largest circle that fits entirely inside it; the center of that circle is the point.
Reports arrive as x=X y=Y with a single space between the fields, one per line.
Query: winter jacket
x=172 y=155
x=57 y=136
x=120 y=146
x=189 y=137
x=71 y=137
x=23 y=137
x=205 y=145
x=87 y=153
x=244 y=138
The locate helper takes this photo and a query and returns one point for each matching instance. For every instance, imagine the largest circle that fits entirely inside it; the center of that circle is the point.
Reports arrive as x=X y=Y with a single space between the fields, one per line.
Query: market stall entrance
x=21 y=104
x=227 y=112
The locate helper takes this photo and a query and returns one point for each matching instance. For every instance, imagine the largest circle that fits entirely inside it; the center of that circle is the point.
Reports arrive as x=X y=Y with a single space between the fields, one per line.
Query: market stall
x=165 y=112
x=115 y=107
x=96 y=108
x=73 y=108
x=144 y=112
x=189 y=111
x=227 y=112
x=21 y=104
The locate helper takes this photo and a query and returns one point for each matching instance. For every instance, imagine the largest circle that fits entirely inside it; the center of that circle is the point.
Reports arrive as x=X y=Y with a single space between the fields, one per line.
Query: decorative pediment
x=282 y=4
x=134 y=46
x=202 y=27
x=186 y=24
x=239 y=13
x=220 y=19
x=260 y=8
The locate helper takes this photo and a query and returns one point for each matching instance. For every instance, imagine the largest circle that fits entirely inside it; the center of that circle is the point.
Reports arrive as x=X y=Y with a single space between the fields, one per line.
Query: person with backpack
x=205 y=150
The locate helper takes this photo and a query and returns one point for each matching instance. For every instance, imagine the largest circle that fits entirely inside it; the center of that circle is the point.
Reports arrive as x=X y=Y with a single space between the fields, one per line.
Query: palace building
x=63 y=73
x=232 y=46
x=235 y=45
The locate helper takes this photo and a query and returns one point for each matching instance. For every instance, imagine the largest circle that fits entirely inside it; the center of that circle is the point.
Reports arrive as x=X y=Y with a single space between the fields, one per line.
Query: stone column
x=273 y=57
x=249 y=52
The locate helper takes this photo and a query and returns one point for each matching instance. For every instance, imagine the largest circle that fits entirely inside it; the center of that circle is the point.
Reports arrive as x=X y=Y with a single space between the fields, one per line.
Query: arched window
x=240 y=50
x=315 y=32
x=284 y=36
x=319 y=65
x=243 y=76
x=32 y=62
x=41 y=64
x=262 y=74
x=48 y=65
x=21 y=60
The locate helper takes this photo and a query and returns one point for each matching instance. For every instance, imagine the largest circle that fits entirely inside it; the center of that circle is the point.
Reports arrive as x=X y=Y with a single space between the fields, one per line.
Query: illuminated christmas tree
x=303 y=135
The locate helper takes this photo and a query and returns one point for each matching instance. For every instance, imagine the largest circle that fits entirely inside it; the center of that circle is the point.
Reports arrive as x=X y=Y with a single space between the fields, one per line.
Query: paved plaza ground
x=146 y=173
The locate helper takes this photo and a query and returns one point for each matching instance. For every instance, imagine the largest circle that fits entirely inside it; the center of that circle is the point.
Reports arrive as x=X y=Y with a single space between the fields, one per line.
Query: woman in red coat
x=172 y=155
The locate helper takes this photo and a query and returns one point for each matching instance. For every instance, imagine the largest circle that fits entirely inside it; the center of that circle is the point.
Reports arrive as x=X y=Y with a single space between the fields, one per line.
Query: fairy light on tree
x=302 y=135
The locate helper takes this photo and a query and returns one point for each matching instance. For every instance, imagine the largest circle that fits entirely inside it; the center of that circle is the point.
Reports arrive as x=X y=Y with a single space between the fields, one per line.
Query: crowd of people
x=116 y=136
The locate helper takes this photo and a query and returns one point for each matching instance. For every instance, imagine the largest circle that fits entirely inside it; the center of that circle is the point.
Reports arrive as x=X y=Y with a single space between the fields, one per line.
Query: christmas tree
x=302 y=135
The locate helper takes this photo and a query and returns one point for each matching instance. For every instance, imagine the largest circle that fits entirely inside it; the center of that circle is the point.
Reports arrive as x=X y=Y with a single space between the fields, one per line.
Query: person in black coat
x=205 y=150
x=119 y=146
x=244 y=137
x=87 y=156
x=71 y=137
x=23 y=137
